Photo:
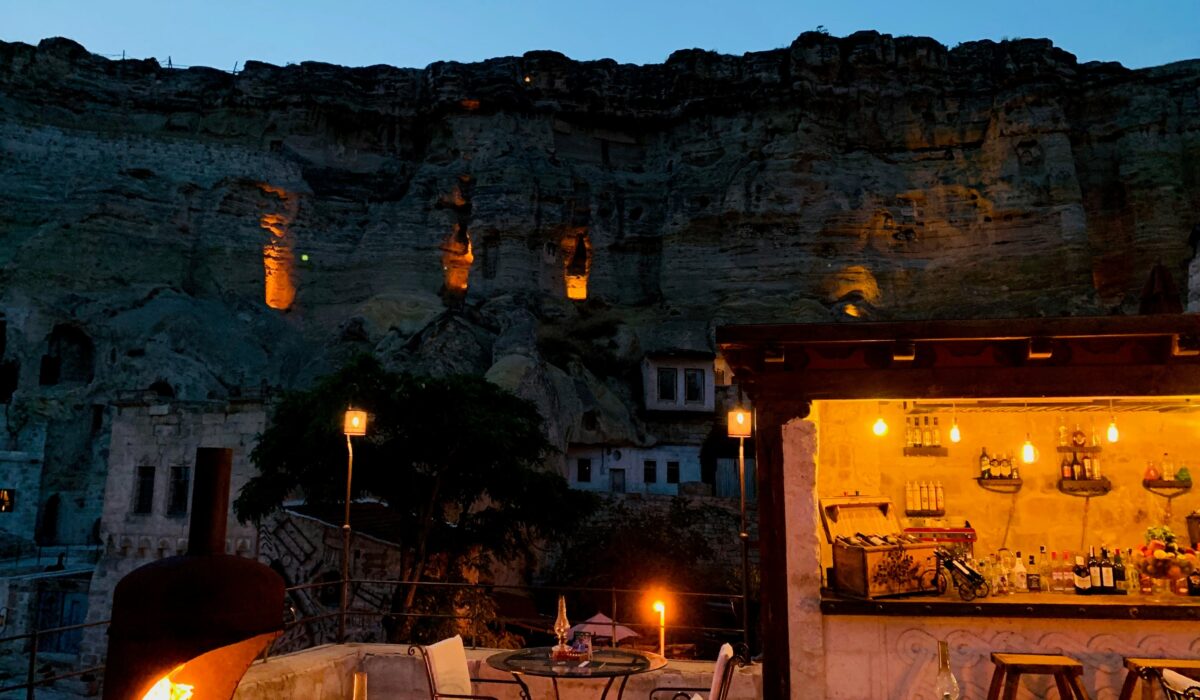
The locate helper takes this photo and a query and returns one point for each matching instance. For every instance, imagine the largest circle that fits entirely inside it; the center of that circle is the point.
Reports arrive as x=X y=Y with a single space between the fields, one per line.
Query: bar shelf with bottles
x=923 y=437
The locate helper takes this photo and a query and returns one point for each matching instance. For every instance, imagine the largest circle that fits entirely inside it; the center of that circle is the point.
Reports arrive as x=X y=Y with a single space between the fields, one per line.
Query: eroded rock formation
x=213 y=231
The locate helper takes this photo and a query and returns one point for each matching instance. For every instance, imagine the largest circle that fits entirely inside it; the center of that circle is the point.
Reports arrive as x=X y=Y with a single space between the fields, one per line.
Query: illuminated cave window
x=8 y=500
x=578 y=267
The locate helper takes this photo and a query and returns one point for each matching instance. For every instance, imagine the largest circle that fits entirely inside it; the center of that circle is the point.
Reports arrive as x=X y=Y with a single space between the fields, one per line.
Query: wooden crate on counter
x=875 y=572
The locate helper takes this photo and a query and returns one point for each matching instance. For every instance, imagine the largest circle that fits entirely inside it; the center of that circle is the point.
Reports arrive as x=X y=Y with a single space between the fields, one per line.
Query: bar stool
x=1137 y=665
x=1010 y=668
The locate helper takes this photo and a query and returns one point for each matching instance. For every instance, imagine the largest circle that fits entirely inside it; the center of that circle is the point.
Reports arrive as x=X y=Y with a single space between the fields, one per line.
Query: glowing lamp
x=955 y=433
x=660 y=607
x=1029 y=453
x=1113 y=433
x=740 y=423
x=880 y=428
x=355 y=423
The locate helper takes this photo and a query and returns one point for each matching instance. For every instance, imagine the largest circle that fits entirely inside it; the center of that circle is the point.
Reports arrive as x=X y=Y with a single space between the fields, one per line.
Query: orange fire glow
x=278 y=282
x=166 y=689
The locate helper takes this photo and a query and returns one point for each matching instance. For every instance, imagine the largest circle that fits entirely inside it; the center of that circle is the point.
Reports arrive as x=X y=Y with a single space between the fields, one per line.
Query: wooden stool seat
x=1067 y=674
x=1135 y=666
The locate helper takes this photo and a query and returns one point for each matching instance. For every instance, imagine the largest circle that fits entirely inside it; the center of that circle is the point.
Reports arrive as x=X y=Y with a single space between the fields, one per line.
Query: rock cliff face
x=204 y=232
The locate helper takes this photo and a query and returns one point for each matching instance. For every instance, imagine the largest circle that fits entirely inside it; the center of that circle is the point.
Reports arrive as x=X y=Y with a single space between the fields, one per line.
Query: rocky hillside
x=204 y=232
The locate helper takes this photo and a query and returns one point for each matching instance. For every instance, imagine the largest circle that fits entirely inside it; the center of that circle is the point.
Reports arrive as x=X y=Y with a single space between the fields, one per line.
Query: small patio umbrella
x=601 y=626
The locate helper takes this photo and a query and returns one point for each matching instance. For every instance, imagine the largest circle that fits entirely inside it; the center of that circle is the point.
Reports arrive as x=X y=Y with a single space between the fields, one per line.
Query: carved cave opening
x=69 y=358
x=578 y=264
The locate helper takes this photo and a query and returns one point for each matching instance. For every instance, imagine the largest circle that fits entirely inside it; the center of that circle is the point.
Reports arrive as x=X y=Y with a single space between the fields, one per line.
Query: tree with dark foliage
x=458 y=459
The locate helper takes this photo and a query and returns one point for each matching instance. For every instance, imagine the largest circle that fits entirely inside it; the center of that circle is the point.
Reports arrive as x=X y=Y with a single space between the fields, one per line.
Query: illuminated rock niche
x=577 y=254
x=279 y=260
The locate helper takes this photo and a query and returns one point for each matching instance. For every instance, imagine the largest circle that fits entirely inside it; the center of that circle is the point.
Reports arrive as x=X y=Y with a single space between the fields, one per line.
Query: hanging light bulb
x=955 y=433
x=1113 y=433
x=1028 y=451
x=880 y=427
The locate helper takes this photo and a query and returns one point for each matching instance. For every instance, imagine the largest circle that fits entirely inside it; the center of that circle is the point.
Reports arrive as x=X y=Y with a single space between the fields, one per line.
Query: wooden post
x=770 y=415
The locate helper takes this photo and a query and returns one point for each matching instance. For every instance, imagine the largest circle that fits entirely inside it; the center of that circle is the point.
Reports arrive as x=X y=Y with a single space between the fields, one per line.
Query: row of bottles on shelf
x=1090 y=576
x=1075 y=469
x=999 y=466
x=1167 y=471
x=924 y=495
x=919 y=432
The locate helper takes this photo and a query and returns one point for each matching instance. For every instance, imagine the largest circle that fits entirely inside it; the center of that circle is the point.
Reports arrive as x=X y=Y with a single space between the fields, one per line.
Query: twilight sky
x=217 y=33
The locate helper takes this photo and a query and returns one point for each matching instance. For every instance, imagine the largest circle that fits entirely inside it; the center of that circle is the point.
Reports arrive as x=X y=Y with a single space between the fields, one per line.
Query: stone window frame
x=673 y=472
x=649 y=471
x=171 y=505
x=136 y=506
x=692 y=372
x=583 y=470
x=660 y=384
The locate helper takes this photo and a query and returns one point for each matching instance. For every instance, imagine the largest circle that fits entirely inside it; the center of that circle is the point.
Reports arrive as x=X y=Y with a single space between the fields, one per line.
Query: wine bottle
x=1083 y=581
x=1087 y=466
x=985 y=464
x=1055 y=574
x=1108 y=581
x=1093 y=565
x=926 y=434
x=1076 y=467
x=925 y=495
x=940 y=497
x=937 y=433
x=1119 y=572
x=1065 y=468
x=1062 y=432
x=908 y=432
x=945 y=685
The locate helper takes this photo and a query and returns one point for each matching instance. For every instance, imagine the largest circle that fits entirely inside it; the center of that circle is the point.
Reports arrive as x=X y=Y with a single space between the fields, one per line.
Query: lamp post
x=661 y=608
x=741 y=426
x=354 y=424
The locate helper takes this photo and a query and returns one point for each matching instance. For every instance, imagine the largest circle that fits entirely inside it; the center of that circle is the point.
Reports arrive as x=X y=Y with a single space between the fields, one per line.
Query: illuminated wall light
x=955 y=433
x=577 y=269
x=1113 y=433
x=1029 y=453
x=880 y=427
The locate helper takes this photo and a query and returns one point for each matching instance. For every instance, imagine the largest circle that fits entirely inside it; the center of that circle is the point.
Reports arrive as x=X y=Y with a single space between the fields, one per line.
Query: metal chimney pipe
x=210 y=499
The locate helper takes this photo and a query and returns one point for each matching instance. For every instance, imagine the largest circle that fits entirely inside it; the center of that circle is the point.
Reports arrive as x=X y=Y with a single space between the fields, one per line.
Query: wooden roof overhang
x=1156 y=355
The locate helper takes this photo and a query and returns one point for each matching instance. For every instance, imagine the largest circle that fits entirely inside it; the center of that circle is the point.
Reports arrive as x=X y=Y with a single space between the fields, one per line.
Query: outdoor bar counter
x=833 y=405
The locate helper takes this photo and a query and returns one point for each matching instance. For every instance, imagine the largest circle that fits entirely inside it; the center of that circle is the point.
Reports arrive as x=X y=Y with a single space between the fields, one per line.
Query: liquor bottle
x=1087 y=465
x=1045 y=571
x=1132 y=576
x=1093 y=565
x=1108 y=576
x=1167 y=469
x=945 y=686
x=1055 y=576
x=985 y=464
x=1096 y=466
x=1033 y=576
x=1020 y=576
x=940 y=499
x=1068 y=572
x=1062 y=431
x=1076 y=467
x=908 y=431
x=1016 y=470
x=1083 y=580
x=925 y=495
x=937 y=433
x=926 y=434
x=1066 y=470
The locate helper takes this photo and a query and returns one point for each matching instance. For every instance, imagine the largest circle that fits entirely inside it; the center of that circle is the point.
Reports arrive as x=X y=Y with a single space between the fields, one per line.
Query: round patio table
x=606 y=664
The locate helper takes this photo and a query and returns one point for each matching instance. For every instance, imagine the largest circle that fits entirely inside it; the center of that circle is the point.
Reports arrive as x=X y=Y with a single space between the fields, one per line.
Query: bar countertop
x=1026 y=605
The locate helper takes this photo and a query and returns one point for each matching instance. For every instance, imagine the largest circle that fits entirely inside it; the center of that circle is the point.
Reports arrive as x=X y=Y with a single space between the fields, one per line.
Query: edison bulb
x=955 y=433
x=880 y=428
x=1028 y=453
x=1113 y=433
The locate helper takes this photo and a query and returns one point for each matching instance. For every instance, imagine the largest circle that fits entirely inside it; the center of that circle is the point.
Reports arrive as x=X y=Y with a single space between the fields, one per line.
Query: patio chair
x=1175 y=686
x=447 y=672
x=727 y=661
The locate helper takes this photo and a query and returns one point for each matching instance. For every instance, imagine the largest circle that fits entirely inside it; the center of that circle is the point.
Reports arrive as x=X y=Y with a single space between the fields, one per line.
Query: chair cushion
x=724 y=657
x=1177 y=681
x=448 y=663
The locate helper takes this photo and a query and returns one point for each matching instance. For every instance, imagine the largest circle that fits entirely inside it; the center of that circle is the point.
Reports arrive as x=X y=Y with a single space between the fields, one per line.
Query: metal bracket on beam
x=904 y=351
x=1185 y=346
x=1039 y=349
